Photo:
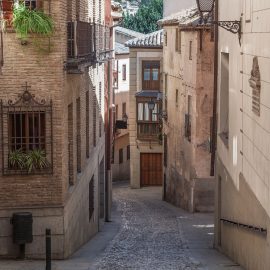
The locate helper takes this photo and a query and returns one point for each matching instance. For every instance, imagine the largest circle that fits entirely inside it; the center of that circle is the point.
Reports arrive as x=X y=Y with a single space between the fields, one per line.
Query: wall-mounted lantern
x=207 y=7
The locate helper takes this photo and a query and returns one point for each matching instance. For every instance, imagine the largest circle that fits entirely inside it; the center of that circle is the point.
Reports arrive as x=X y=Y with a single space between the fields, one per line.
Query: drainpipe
x=214 y=125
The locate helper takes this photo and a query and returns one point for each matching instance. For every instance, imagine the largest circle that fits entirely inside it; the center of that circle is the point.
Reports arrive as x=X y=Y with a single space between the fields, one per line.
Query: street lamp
x=125 y=118
x=151 y=105
x=207 y=6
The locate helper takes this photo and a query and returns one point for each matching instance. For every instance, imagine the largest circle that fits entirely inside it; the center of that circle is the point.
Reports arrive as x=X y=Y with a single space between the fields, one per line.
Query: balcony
x=148 y=131
x=80 y=44
x=87 y=43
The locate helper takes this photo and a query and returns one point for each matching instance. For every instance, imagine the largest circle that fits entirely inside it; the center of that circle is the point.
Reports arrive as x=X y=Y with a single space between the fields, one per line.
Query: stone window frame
x=24 y=107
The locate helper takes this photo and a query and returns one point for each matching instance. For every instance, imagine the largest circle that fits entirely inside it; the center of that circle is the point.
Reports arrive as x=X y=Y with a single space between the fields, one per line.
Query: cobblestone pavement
x=146 y=234
x=150 y=237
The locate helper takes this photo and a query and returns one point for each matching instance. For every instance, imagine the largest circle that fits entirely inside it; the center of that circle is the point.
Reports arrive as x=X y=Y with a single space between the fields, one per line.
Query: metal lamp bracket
x=231 y=26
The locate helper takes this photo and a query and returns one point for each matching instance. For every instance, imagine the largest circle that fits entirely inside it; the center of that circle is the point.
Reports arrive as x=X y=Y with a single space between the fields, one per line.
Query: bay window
x=148 y=124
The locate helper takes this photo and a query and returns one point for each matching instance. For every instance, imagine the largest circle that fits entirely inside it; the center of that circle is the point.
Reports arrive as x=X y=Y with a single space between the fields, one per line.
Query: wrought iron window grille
x=26 y=131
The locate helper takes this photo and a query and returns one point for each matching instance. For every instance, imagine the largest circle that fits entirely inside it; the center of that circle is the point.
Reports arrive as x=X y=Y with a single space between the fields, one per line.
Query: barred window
x=87 y=119
x=70 y=144
x=78 y=126
x=99 y=109
x=91 y=198
x=94 y=117
x=26 y=126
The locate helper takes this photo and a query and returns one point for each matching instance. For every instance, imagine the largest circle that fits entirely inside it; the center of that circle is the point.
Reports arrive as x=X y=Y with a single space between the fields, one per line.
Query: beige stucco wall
x=189 y=162
x=243 y=166
x=136 y=146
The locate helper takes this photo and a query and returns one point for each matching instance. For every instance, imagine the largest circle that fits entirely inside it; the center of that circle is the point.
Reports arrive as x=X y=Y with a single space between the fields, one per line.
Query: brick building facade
x=62 y=114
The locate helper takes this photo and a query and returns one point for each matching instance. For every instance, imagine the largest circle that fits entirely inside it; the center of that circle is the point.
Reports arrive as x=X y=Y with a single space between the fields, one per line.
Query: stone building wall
x=188 y=75
x=51 y=199
x=242 y=173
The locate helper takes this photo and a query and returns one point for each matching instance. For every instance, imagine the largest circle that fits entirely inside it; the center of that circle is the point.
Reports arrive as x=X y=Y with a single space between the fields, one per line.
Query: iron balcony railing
x=87 y=42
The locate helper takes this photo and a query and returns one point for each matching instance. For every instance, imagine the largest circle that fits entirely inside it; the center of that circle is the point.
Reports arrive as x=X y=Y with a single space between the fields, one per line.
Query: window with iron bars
x=26 y=135
x=6 y=6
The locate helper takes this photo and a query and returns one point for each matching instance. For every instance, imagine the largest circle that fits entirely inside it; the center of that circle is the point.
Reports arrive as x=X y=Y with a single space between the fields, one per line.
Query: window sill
x=224 y=136
x=7 y=172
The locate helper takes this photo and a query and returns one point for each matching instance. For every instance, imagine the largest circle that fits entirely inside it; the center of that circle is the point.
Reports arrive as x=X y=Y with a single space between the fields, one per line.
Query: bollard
x=48 y=250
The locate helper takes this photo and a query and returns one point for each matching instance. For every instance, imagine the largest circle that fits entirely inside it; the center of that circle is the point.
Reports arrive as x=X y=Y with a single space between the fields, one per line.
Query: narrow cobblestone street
x=146 y=233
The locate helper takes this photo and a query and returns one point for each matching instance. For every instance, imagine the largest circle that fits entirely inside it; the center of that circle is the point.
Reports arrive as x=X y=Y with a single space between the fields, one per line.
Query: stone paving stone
x=147 y=234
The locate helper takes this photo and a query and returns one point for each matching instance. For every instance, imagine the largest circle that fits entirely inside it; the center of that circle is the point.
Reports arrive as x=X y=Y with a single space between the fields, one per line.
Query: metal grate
x=206 y=5
x=26 y=130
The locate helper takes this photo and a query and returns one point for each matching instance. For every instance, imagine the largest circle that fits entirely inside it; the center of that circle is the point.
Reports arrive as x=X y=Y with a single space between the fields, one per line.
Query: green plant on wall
x=30 y=161
x=31 y=22
x=16 y=159
x=36 y=160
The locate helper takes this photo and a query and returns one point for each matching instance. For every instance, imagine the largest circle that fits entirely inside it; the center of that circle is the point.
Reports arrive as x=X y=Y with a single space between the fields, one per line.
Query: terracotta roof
x=121 y=48
x=152 y=40
x=128 y=32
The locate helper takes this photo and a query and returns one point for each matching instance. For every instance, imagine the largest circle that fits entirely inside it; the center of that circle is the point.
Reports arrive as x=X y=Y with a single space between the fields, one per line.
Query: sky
x=173 y=6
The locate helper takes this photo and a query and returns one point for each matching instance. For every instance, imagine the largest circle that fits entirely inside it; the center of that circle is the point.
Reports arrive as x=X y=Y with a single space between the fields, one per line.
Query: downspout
x=215 y=118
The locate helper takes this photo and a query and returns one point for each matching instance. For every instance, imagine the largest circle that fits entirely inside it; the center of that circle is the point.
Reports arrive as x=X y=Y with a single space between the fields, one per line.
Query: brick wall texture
x=44 y=72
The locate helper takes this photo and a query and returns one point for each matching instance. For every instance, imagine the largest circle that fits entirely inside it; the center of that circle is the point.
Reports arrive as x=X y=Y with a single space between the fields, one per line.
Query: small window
x=165 y=161
x=151 y=75
x=190 y=50
x=116 y=112
x=121 y=158
x=188 y=121
x=87 y=120
x=124 y=72
x=99 y=109
x=78 y=127
x=124 y=109
x=70 y=144
x=94 y=117
x=178 y=40
x=91 y=206
x=165 y=38
x=176 y=97
x=128 y=152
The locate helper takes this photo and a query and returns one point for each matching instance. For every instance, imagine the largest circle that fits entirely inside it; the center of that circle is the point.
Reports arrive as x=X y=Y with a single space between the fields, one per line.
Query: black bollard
x=48 y=250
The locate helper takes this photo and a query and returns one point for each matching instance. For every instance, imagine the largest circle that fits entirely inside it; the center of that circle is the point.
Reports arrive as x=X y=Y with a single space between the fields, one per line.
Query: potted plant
x=30 y=161
x=36 y=160
x=35 y=22
x=16 y=159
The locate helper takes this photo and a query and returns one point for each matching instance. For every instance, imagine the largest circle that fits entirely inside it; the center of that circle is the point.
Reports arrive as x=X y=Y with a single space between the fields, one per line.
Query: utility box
x=22 y=228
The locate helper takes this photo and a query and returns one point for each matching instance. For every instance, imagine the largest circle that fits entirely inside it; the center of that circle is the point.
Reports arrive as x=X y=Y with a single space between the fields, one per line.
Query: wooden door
x=151 y=169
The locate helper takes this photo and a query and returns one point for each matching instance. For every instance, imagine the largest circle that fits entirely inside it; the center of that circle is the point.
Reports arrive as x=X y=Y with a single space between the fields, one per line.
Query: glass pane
x=146 y=112
x=155 y=113
x=146 y=74
x=140 y=111
x=155 y=74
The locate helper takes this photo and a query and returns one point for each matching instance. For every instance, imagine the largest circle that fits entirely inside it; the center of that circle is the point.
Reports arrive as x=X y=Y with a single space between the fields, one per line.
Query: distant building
x=188 y=65
x=145 y=108
x=121 y=156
